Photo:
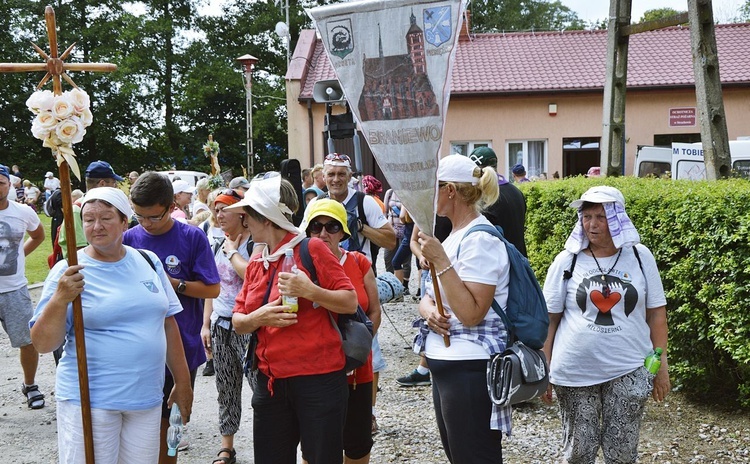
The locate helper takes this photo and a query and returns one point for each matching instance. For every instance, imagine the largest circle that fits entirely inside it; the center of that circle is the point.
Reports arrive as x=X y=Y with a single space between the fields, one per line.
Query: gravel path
x=674 y=432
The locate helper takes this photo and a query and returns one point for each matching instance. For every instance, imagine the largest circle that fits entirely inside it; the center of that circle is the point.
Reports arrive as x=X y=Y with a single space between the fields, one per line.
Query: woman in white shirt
x=470 y=425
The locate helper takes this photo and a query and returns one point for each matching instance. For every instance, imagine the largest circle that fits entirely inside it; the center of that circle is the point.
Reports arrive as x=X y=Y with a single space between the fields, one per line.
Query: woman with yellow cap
x=326 y=220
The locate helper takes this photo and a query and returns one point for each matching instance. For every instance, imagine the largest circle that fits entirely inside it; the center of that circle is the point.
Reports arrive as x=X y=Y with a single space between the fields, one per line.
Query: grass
x=36 y=263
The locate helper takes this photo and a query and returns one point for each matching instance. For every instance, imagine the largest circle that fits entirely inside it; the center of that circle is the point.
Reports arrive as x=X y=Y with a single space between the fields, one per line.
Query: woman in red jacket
x=300 y=393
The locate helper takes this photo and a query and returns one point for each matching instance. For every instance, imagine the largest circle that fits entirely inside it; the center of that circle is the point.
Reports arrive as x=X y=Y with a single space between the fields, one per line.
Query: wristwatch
x=231 y=253
x=181 y=286
x=360 y=226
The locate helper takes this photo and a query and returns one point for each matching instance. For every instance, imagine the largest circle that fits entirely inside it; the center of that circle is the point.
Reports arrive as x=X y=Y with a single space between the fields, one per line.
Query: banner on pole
x=393 y=60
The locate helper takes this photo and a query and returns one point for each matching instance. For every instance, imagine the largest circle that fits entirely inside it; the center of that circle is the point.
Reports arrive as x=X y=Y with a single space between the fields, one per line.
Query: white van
x=685 y=160
x=191 y=177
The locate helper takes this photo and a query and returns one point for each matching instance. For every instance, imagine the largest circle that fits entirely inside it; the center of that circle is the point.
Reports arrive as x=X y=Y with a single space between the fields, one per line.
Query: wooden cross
x=55 y=68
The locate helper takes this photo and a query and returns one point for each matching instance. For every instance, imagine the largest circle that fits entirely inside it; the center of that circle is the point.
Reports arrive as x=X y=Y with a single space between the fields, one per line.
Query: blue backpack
x=525 y=315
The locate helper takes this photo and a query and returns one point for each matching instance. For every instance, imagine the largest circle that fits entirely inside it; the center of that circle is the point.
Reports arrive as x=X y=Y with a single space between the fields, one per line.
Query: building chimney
x=465 y=26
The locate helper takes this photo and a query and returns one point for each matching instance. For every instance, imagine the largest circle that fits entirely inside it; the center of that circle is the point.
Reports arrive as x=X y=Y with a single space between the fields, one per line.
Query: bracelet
x=231 y=253
x=444 y=270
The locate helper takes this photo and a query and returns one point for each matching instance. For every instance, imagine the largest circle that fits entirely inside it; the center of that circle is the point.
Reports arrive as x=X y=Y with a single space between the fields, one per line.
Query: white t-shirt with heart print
x=602 y=334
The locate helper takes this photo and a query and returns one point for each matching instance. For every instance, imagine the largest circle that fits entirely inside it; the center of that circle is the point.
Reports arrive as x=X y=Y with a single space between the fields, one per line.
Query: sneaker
x=185 y=441
x=414 y=379
x=208 y=370
x=406 y=291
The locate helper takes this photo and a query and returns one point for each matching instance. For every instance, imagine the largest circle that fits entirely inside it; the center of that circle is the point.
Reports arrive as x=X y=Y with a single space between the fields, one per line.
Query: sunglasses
x=332 y=227
x=231 y=193
x=338 y=157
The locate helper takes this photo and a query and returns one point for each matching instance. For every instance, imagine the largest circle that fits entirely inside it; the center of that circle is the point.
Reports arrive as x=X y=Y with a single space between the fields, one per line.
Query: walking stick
x=439 y=301
x=55 y=69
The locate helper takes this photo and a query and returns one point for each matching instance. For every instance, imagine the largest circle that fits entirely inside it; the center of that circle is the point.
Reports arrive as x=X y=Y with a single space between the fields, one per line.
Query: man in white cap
x=51 y=183
x=15 y=304
x=183 y=196
x=366 y=221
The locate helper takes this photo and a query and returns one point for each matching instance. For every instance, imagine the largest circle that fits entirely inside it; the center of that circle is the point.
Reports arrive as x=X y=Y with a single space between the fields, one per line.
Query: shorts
x=378 y=363
x=15 y=313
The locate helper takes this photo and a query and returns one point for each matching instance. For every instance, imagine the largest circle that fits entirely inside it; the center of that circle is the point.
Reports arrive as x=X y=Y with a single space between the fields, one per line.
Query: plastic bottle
x=289 y=266
x=653 y=361
x=174 y=432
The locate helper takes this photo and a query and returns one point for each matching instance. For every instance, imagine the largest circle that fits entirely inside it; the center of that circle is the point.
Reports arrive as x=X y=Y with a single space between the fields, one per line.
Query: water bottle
x=289 y=266
x=653 y=361
x=174 y=432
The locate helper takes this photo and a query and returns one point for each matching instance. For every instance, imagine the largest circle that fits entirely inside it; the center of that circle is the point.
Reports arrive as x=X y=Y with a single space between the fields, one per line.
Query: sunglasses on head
x=231 y=193
x=338 y=157
x=332 y=227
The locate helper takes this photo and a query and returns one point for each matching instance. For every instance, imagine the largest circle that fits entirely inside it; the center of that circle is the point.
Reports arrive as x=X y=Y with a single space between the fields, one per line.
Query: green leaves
x=699 y=233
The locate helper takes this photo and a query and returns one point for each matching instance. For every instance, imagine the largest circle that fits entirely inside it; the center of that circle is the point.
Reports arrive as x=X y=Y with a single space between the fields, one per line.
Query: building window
x=465 y=148
x=531 y=153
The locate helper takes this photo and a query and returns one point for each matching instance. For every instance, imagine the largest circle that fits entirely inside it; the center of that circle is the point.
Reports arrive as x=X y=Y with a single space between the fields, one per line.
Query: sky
x=595 y=10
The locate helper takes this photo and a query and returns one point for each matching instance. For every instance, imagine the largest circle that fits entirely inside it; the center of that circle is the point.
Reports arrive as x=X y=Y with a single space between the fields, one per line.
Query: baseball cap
x=518 y=169
x=458 y=168
x=239 y=182
x=330 y=208
x=594 y=171
x=484 y=156
x=4 y=171
x=180 y=186
x=101 y=170
x=600 y=194
x=49 y=174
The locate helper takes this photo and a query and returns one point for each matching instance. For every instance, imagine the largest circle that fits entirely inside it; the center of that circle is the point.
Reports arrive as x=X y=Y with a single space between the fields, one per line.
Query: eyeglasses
x=332 y=227
x=140 y=218
x=338 y=157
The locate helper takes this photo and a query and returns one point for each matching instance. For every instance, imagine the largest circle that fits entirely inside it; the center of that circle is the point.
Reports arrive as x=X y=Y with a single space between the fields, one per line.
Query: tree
x=521 y=15
x=659 y=13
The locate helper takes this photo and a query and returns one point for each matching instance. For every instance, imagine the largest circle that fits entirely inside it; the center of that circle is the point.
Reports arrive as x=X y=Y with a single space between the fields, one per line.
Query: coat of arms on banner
x=340 y=37
x=397 y=86
x=437 y=25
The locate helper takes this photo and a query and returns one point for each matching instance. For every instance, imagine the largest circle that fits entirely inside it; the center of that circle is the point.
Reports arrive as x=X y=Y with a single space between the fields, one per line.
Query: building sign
x=682 y=117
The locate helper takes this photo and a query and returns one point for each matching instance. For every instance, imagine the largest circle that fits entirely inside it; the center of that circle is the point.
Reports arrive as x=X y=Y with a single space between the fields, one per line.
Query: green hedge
x=699 y=233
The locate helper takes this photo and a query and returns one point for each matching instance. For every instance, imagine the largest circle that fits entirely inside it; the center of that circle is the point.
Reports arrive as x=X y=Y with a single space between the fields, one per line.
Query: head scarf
x=264 y=197
x=621 y=228
x=370 y=185
x=111 y=195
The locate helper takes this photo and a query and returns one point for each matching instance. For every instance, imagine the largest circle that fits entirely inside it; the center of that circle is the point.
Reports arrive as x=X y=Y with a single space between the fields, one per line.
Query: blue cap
x=102 y=170
x=518 y=169
x=4 y=171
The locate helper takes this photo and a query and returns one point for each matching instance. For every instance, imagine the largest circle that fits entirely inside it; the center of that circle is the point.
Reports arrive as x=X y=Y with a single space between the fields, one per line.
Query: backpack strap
x=361 y=207
x=569 y=272
x=307 y=262
x=147 y=258
x=495 y=231
x=640 y=264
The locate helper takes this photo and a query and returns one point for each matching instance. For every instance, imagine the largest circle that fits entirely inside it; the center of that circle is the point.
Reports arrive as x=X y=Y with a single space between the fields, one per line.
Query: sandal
x=232 y=459
x=34 y=398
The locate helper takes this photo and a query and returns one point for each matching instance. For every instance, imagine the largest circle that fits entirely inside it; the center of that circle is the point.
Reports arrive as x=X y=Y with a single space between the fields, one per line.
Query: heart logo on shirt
x=605 y=303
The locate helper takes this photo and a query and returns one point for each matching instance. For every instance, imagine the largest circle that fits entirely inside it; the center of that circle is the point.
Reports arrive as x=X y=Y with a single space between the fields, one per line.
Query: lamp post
x=248 y=63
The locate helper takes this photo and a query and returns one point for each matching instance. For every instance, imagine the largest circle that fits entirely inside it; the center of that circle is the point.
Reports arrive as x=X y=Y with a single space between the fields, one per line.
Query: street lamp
x=248 y=63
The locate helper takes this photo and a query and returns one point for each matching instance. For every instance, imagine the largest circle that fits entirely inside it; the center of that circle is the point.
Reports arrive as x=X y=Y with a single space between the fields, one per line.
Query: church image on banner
x=536 y=98
x=397 y=86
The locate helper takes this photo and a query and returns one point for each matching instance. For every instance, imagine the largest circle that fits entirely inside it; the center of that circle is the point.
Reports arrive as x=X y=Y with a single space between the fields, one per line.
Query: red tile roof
x=567 y=61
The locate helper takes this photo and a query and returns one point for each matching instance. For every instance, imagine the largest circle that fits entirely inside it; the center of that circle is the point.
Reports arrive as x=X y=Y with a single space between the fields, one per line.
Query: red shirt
x=312 y=345
x=356 y=267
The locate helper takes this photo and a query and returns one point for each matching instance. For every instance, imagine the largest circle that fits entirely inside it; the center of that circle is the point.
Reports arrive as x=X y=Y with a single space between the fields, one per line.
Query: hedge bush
x=699 y=233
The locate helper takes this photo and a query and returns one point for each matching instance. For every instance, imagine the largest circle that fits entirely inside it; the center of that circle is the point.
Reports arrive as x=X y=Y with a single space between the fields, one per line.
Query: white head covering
x=458 y=168
x=111 y=195
x=264 y=197
x=621 y=228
